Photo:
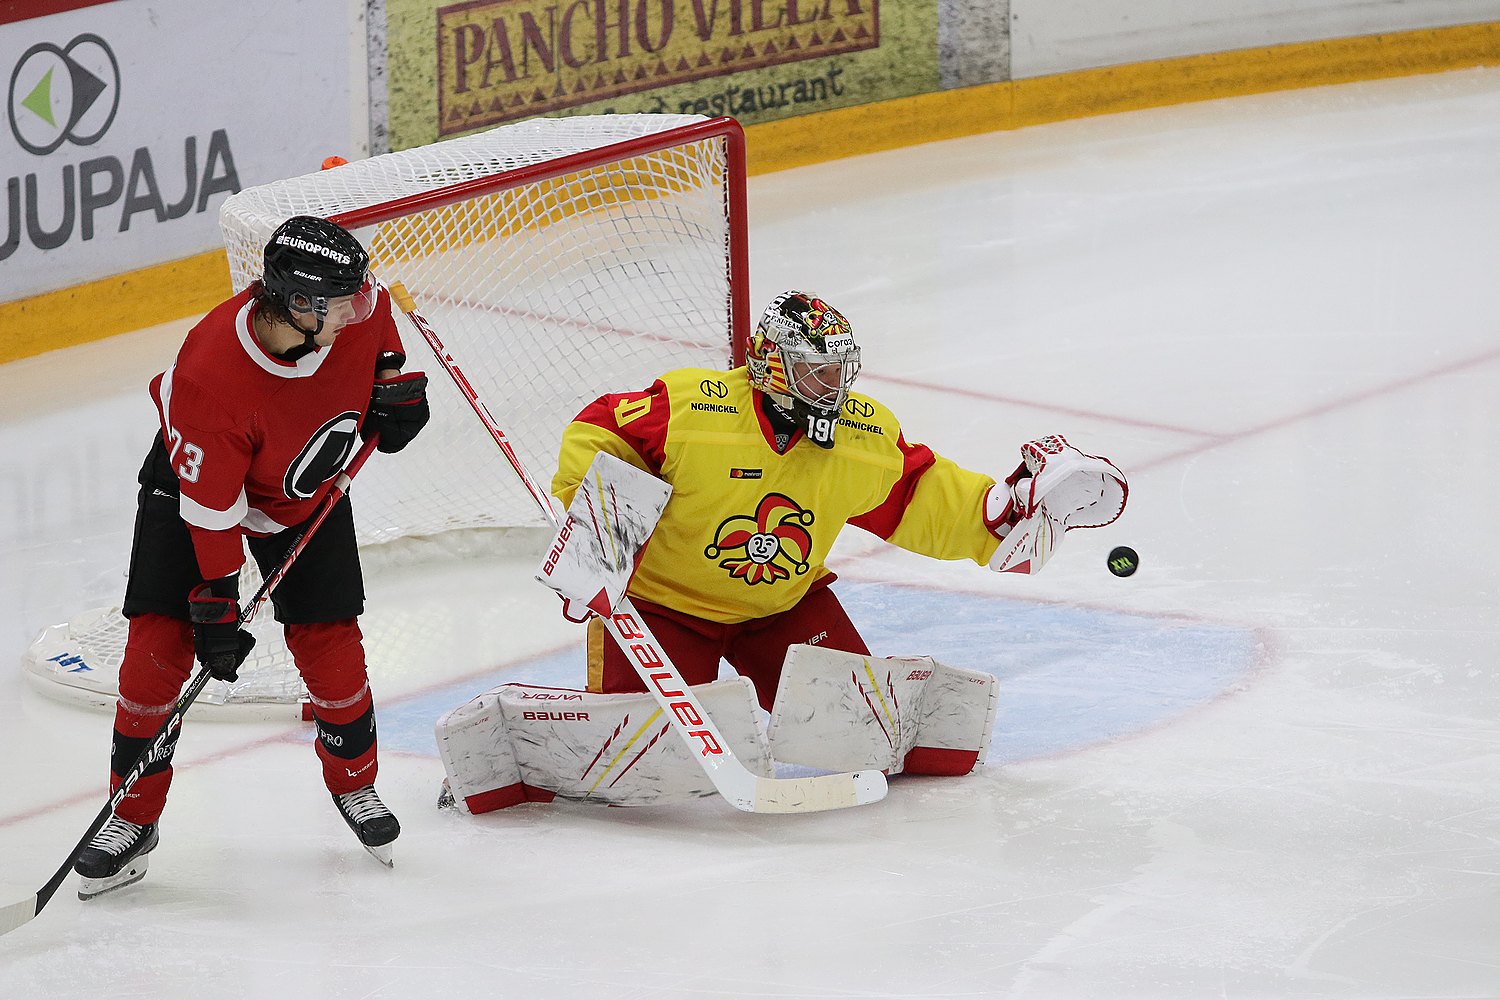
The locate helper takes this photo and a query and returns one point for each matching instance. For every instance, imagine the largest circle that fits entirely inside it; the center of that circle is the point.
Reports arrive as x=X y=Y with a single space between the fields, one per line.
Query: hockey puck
x=1122 y=560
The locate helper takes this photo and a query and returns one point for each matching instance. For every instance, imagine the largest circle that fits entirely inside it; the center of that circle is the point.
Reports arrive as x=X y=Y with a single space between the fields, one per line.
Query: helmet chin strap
x=308 y=344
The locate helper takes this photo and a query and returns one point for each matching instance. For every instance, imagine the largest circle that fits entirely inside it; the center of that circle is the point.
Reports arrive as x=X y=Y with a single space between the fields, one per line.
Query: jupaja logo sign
x=62 y=95
x=68 y=95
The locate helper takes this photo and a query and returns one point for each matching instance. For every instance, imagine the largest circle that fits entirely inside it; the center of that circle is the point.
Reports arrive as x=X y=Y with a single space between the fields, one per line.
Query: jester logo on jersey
x=765 y=547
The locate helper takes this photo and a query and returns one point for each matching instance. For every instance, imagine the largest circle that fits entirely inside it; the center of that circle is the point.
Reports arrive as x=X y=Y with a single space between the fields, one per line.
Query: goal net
x=557 y=259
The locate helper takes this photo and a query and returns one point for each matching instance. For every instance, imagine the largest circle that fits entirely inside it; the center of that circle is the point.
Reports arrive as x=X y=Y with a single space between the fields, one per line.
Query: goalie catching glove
x=398 y=410
x=219 y=642
x=1055 y=489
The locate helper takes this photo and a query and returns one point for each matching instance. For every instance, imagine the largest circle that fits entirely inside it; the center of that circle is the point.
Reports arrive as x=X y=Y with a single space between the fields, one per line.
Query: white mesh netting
x=546 y=294
x=556 y=258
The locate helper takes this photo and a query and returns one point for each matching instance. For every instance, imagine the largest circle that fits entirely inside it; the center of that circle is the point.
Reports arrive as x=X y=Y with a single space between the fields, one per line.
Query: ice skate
x=445 y=797
x=371 y=822
x=116 y=857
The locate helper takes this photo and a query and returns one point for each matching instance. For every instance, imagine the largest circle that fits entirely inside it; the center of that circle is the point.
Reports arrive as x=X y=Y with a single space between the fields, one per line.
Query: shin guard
x=331 y=657
x=347 y=749
x=158 y=660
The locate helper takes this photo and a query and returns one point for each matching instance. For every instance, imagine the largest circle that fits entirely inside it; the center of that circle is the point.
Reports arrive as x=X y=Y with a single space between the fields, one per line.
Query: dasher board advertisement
x=128 y=122
x=459 y=67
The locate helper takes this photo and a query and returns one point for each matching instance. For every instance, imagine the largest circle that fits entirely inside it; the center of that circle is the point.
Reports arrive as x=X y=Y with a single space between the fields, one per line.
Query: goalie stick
x=18 y=913
x=737 y=784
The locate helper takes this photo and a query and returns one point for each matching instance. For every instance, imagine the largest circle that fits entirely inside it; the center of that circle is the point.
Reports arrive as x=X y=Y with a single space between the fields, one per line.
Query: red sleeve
x=219 y=553
x=210 y=453
x=637 y=418
x=390 y=336
x=883 y=520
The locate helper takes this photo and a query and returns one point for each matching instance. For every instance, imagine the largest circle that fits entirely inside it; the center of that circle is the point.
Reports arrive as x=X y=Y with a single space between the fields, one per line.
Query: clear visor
x=341 y=310
x=821 y=380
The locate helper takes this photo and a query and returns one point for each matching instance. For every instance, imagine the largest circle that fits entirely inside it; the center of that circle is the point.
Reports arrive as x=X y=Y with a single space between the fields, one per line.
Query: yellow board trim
x=117 y=304
x=993 y=107
x=190 y=287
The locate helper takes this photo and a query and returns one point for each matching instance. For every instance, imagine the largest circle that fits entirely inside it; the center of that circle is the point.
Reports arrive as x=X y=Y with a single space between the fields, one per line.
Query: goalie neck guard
x=804 y=357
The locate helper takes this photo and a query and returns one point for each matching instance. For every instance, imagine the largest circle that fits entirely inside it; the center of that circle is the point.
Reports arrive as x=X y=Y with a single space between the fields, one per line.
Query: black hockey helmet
x=310 y=261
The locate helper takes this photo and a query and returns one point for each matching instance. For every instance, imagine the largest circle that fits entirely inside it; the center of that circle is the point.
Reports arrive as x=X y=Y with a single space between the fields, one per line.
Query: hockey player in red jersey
x=768 y=464
x=268 y=397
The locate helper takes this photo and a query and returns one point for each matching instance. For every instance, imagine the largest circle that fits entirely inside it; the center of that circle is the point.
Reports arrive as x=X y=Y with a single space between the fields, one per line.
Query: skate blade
x=384 y=854
x=132 y=873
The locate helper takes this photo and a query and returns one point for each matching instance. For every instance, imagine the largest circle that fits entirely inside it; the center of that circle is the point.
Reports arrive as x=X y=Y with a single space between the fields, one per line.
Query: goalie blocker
x=835 y=711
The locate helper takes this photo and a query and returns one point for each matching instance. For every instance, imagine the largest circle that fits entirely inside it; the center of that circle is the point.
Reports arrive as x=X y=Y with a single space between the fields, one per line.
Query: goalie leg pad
x=482 y=774
x=518 y=743
x=844 y=712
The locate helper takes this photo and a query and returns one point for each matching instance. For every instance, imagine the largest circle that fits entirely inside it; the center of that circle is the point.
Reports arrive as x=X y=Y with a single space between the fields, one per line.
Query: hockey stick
x=736 y=783
x=408 y=305
x=18 y=913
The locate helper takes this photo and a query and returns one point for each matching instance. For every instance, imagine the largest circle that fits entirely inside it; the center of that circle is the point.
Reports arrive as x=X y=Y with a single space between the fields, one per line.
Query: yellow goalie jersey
x=747 y=529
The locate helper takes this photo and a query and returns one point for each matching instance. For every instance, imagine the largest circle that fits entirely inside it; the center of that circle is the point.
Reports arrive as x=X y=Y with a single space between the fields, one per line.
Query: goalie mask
x=803 y=356
x=316 y=269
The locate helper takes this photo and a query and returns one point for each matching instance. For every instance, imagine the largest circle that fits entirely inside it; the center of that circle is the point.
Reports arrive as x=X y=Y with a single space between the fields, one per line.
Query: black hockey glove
x=398 y=410
x=218 y=640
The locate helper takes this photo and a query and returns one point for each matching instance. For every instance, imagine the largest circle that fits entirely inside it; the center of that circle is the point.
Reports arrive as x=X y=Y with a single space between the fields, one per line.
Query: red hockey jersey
x=255 y=441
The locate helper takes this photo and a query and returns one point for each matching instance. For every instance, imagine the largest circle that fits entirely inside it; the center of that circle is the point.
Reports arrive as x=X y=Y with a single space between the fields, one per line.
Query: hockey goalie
x=706 y=505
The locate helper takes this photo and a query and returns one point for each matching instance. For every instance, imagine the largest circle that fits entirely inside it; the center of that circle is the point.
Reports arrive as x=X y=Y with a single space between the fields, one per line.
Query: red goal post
x=558 y=258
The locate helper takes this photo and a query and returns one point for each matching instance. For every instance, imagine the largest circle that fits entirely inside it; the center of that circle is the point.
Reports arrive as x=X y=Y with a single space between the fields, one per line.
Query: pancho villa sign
x=505 y=59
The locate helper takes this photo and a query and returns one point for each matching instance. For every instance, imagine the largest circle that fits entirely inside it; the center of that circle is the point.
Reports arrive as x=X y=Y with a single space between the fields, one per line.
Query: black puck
x=1122 y=560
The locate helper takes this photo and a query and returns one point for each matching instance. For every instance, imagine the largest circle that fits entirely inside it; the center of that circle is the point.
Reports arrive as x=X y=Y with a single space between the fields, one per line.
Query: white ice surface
x=1268 y=765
